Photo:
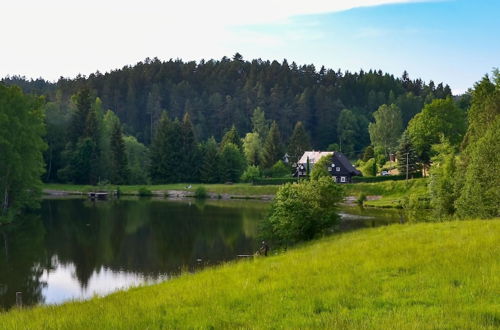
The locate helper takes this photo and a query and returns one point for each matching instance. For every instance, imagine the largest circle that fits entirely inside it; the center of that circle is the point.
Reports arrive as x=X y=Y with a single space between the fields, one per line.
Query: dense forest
x=334 y=108
x=218 y=94
x=234 y=120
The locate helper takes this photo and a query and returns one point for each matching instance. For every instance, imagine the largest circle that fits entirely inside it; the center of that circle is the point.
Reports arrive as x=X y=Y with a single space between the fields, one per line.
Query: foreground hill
x=428 y=275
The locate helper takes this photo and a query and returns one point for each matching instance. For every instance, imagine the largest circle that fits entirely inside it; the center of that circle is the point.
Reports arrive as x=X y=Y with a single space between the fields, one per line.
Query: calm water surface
x=74 y=248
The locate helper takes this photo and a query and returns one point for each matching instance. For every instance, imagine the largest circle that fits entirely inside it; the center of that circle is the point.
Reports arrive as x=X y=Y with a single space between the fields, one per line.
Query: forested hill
x=220 y=93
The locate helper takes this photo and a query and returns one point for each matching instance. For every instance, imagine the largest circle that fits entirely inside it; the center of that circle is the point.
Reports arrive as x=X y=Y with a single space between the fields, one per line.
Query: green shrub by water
x=144 y=192
x=200 y=192
x=421 y=276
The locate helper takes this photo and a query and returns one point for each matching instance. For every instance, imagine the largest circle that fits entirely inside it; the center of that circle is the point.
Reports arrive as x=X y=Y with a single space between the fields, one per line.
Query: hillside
x=427 y=275
x=220 y=93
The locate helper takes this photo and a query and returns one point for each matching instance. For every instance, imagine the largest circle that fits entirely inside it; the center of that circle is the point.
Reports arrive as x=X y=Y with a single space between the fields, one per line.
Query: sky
x=450 y=41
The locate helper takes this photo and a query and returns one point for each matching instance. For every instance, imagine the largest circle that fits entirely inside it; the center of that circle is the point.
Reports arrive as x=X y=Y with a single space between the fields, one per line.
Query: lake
x=73 y=248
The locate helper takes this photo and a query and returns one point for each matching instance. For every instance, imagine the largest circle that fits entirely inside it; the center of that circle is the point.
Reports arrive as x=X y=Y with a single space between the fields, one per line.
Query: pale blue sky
x=454 y=41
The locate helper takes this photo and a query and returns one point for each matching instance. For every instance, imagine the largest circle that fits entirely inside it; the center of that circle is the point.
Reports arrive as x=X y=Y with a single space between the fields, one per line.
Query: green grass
x=392 y=192
x=420 y=276
x=243 y=189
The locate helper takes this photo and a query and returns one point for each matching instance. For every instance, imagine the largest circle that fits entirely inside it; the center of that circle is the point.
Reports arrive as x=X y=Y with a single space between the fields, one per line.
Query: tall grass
x=421 y=276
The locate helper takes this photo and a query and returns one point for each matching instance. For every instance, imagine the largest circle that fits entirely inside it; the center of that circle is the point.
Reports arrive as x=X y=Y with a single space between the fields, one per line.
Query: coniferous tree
x=188 y=168
x=368 y=153
x=233 y=137
x=299 y=143
x=232 y=163
x=273 y=150
x=161 y=167
x=119 y=166
x=209 y=172
x=406 y=155
x=78 y=125
x=259 y=123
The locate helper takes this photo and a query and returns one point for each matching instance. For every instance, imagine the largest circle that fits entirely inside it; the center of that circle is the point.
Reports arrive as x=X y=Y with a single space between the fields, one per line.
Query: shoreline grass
x=392 y=193
x=426 y=275
x=242 y=189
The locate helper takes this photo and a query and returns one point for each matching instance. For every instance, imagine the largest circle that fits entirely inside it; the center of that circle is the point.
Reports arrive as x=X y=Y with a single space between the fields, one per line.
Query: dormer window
x=337 y=169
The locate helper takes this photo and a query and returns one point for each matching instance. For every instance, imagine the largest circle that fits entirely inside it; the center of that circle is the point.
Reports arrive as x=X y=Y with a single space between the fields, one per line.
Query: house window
x=342 y=179
x=334 y=179
x=329 y=169
x=337 y=169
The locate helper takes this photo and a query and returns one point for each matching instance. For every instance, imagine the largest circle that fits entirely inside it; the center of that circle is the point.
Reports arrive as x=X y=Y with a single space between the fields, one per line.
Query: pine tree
x=273 y=150
x=232 y=163
x=83 y=102
x=233 y=137
x=299 y=143
x=119 y=166
x=188 y=169
x=406 y=154
x=161 y=168
x=209 y=172
x=259 y=123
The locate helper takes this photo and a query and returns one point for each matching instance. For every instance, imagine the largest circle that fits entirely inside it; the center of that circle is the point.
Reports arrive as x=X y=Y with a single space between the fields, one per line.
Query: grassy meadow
x=425 y=276
x=392 y=193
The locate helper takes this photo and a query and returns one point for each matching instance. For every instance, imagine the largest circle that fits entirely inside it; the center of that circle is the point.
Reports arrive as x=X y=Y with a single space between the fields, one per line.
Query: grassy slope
x=392 y=192
x=428 y=275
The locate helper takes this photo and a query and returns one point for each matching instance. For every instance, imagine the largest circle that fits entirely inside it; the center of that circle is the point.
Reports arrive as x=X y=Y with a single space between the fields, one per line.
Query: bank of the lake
x=387 y=194
x=426 y=275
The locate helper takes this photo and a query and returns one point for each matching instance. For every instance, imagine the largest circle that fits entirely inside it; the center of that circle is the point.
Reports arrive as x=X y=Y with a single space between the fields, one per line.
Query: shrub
x=144 y=192
x=251 y=174
x=279 y=170
x=320 y=169
x=303 y=211
x=201 y=192
x=369 y=168
x=361 y=199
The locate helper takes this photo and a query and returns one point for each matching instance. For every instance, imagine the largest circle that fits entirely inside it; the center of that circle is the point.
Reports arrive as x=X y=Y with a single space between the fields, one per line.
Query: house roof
x=346 y=163
x=314 y=156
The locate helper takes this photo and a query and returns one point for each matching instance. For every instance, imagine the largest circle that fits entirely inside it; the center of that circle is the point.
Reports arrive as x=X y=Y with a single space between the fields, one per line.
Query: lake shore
x=422 y=275
x=388 y=194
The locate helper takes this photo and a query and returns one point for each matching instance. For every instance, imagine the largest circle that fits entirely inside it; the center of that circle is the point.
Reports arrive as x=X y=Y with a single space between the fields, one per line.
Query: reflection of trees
x=22 y=260
x=145 y=236
x=148 y=237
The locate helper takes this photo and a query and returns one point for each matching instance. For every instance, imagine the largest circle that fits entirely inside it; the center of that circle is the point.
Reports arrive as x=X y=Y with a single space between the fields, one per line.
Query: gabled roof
x=340 y=157
x=314 y=156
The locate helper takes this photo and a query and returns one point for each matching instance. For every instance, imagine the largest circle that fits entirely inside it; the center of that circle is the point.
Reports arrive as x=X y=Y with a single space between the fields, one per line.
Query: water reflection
x=75 y=248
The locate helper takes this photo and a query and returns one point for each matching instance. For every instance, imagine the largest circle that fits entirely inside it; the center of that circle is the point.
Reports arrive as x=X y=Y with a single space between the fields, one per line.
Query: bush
x=361 y=199
x=251 y=174
x=144 y=192
x=320 y=169
x=369 y=168
x=303 y=211
x=280 y=170
x=201 y=192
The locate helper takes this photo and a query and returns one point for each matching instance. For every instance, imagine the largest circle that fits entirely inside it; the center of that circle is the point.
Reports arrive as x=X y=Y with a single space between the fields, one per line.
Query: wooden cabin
x=340 y=167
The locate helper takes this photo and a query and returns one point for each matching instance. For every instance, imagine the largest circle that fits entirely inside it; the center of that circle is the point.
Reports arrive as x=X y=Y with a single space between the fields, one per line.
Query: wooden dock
x=98 y=195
